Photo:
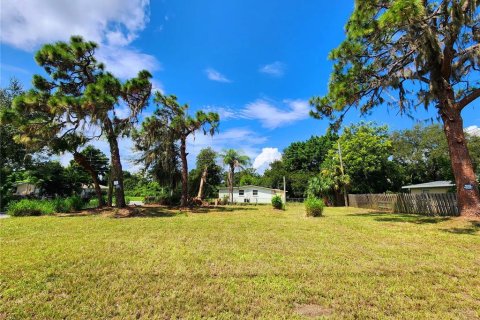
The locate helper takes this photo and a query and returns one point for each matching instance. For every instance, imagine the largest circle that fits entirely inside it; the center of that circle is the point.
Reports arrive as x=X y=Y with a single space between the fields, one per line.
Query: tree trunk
x=203 y=181
x=83 y=162
x=183 y=156
x=468 y=197
x=117 y=172
x=230 y=177
x=110 y=190
x=110 y=186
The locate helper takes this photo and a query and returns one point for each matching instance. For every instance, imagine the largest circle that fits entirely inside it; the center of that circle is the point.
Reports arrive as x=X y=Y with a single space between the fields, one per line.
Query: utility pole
x=284 y=192
x=345 y=197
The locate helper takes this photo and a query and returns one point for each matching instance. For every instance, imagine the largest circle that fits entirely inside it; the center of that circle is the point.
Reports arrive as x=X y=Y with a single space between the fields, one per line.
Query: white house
x=251 y=194
x=25 y=189
x=89 y=190
x=431 y=187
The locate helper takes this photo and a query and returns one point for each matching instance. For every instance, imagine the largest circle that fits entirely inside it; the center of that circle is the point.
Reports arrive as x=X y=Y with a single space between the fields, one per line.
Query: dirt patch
x=312 y=310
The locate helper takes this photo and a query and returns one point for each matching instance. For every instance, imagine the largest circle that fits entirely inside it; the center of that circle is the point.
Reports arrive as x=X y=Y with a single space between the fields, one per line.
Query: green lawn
x=247 y=262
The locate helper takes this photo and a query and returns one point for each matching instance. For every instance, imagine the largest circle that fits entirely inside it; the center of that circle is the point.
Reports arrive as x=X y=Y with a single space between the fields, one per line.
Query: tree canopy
x=77 y=95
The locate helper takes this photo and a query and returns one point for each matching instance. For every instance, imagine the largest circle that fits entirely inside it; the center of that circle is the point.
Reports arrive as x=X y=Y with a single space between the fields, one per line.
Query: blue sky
x=255 y=62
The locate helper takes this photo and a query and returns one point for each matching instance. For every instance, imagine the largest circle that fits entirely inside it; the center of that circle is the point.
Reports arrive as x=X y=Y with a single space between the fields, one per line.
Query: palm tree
x=233 y=159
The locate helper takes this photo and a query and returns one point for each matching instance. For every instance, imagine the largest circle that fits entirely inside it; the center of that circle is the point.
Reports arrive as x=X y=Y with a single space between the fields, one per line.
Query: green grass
x=244 y=262
x=128 y=198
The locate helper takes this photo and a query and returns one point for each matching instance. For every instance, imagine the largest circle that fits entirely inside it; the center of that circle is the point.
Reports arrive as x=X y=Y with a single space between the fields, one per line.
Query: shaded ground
x=239 y=262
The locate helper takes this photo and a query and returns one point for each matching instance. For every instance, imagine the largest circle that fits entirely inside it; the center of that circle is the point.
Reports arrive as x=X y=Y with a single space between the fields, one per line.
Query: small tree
x=159 y=152
x=233 y=159
x=179 y=126
x=12 y=154
x=205 y=161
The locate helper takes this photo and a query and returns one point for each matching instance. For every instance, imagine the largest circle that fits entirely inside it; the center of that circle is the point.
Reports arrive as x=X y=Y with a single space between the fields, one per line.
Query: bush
x=163 y=199
x=74 y=203
x=277 y=202
x=31 y=207
x=225 y=200
x=314 y=207
x=59 y=204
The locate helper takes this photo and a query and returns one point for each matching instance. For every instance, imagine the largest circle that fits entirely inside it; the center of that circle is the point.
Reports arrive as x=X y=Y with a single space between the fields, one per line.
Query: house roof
x=85 y=186
x=249 y=186
x=19 y=183
x=433 y=184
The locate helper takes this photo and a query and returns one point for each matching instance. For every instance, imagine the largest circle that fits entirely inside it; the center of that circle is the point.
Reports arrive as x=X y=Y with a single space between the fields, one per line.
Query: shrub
x=31 y=207
x=59 y=204
x=314 y=207
x=74 y=203
x=225 y=200
x=277 y=202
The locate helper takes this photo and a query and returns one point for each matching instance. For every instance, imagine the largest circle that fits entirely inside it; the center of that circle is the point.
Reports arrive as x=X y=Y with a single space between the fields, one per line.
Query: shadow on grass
x=146 y=212
x=400 y=217
x=221 y=209
x=473 y=229
x=151 y=211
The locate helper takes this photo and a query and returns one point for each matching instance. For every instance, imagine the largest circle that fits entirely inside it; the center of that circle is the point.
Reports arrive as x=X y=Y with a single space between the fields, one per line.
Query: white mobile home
x=251 y=194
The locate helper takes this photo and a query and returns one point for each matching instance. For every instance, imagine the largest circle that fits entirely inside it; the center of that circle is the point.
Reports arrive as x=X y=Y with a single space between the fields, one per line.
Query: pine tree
x=409 y=54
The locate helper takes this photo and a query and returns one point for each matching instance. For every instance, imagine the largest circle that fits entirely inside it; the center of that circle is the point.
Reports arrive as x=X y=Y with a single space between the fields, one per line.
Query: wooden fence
x=431 y=204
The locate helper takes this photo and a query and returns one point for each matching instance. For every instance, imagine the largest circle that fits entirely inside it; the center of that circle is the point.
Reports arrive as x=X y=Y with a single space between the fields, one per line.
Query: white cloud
x=157 y=86
x=267 y=156
x=214 y=75
x=275 y=69
x=126 y=62
x=27 y=24
x=225 y=113
x=473 y=131
x=270 y=113
x=272 y=116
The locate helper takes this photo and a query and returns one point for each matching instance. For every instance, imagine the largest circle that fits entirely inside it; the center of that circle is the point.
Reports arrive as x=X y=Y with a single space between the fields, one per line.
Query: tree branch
x=466 y=100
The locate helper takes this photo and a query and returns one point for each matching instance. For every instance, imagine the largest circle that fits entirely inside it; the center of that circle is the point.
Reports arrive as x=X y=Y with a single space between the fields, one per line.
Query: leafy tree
x=98 y=165
x=409 y=53
x=210 y=172
x=421 y=154
x=474 y=145
x=12 y=154
x=366 y=149
x=273 y=176
x=248 y=176
x=159 y=152
x=308 y=155
x=52 y=179
x=296 y=181
x=178 y=127
x=233 y=159
x=79 y=93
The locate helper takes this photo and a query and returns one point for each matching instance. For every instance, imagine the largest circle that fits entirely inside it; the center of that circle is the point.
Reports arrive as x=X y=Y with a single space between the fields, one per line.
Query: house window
x=255 y=193
x=241 y=192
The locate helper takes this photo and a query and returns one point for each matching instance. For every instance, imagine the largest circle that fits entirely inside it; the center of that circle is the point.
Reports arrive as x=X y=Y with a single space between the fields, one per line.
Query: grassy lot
x=245 y=262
